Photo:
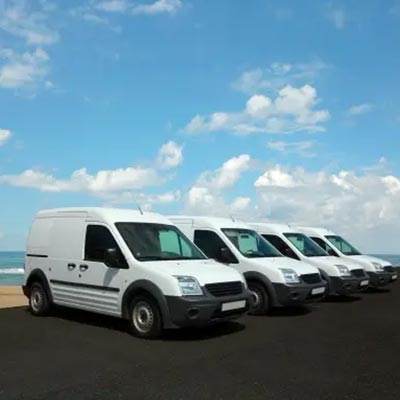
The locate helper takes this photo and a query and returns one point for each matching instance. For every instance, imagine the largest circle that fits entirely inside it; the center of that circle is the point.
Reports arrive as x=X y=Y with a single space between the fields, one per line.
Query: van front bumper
x=205 y=310
x=380 y=279
x=290 y=295
x=344 y=286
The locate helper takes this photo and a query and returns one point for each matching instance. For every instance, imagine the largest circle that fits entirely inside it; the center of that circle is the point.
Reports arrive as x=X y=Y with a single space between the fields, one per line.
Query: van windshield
x=156 y=242
x=342 y=245
x=250 y=243
x=304 y=244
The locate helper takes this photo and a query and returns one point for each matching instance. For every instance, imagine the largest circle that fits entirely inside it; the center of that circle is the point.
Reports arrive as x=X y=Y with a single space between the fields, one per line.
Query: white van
x=272 y=279
x=342 y=276
x=130 y=265
x=380 y=272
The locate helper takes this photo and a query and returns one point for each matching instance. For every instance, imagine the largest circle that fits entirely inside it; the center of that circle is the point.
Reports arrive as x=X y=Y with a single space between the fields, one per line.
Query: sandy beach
x=12 y=296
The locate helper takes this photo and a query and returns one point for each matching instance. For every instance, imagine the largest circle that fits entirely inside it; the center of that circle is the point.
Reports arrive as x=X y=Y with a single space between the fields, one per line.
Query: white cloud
x=276 y=177
x=336 y=15
x=113 y=6
x=302 y=148
x=204 y=201
x=5 y=135
x=25 y=70
x=170 y=7
x=363 y=206
x=291 y=111
x=227 y=175
x=278 y=75
x=360 y=109
x=82 y=181
x=103 y=181
x=206 y=195
x=158 y=7
x=359 y=205
x=145 y=201
x=21 y=19
x=170 y=155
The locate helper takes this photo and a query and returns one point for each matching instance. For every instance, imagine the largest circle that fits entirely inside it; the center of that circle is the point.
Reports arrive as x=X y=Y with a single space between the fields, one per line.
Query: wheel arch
x=325 y=276
x=150 y=288
x=265 y=281
x=37 y=275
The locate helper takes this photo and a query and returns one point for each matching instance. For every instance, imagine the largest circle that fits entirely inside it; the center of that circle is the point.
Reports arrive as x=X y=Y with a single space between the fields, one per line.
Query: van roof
x=109 y=215
x=209 y=222
x=263 y=227
x=308 y=230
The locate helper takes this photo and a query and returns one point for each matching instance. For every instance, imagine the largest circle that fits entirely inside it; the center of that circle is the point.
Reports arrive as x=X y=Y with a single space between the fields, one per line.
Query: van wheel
x=39 y=303
x=260 y=299
x=145 y=317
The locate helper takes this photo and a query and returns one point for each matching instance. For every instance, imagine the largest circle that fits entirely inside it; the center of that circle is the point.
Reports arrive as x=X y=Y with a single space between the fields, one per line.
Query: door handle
x=71 y=266
x=83 y=267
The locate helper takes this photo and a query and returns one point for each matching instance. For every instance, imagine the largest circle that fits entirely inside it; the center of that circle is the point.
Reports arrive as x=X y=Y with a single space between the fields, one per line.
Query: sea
x=12 y=266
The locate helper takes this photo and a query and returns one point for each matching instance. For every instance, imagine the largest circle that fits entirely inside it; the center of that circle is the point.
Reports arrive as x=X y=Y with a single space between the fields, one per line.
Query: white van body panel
x=363 y=260
x=56 y=246
x=268 y=266
x=325 y=263
x=205 y=271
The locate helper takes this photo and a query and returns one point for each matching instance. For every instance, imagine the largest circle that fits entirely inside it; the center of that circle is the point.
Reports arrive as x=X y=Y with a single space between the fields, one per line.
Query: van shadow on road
x=121 y=325
x=378 y=291
x=298 y=311
x=342 y=299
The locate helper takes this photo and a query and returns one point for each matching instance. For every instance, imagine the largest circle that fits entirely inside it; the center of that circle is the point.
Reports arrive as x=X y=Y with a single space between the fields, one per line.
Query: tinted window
x=250 y=243
x=209 y=242
x=304 y=244
x=320 y=242
x=148 y=241
x=172 y=243
x=343 y=246
x=98 y=240
x=280 y=244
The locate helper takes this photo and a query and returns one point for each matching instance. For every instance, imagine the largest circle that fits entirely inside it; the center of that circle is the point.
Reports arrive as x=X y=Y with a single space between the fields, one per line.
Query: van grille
x=389 y=268
x=225 y=288
x=311 y=278
x=359 y=273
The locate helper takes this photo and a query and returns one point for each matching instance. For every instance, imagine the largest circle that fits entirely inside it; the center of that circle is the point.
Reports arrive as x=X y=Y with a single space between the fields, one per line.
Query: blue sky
x=281 y=110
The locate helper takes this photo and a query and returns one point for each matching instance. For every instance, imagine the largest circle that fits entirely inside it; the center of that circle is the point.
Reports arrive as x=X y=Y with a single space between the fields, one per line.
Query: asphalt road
x=346 y=349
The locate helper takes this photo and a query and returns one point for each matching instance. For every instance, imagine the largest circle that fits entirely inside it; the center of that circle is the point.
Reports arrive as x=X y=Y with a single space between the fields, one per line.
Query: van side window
x=210 y=243
x=280 y=244
x=98 y=240
x=170 y=242
x=324 y=245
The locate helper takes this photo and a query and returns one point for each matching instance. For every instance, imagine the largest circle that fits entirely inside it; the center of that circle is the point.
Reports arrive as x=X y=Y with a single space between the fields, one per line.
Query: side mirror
x=224 y=255
x=111 y=258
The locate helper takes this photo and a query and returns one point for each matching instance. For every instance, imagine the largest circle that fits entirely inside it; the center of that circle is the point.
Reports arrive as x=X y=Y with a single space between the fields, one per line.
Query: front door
x=101 y=287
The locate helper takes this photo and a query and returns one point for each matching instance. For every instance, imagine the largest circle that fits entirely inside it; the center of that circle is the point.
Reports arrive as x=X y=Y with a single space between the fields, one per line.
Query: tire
x=261 y=303
x=145 y=317
x=39 y=303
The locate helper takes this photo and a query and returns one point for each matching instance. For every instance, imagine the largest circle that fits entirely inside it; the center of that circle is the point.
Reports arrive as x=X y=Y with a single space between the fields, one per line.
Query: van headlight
x=189 y=286
x=289 y=275
x=343 y=270
x=378 y=267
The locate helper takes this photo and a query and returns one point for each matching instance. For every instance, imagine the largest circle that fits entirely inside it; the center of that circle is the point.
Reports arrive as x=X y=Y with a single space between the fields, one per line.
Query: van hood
x=369 y=259
x=330 y=261
x=300 y=267
x=205 y=271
